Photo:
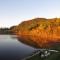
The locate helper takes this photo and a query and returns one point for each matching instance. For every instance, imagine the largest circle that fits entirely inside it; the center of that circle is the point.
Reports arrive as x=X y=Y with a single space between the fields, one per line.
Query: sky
x=13 y=12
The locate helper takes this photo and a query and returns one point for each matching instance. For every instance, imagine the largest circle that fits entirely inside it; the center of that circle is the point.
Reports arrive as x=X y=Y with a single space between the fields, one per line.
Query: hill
x=39 y=32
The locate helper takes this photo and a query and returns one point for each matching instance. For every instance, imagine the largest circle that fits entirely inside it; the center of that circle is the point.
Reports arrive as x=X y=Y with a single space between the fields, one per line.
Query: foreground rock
x=42 y=54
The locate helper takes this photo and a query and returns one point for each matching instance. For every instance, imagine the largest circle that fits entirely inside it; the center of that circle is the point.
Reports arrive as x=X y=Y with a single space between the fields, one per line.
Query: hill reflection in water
x=53 y=45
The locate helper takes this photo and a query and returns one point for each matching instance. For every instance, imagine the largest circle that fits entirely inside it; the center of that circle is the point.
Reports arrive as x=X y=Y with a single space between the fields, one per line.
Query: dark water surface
x=12 y=49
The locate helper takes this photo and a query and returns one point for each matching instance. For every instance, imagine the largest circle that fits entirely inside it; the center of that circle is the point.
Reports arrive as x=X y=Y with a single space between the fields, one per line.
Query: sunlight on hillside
x=39 y=31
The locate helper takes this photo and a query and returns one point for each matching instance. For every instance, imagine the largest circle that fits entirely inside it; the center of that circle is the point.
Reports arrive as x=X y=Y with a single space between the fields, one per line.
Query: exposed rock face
x=39 y=32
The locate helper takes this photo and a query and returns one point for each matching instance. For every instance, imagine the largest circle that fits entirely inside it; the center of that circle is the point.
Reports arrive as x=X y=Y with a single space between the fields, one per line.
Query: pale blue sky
x=13 y=12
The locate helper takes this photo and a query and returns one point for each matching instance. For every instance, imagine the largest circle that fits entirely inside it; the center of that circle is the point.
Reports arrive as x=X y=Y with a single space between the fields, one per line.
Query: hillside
x=39 y=32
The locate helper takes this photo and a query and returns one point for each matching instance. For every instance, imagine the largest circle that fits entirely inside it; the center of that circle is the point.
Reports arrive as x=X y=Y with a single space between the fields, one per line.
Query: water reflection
x=29 y=43
x=50 y=45
x=12 y=49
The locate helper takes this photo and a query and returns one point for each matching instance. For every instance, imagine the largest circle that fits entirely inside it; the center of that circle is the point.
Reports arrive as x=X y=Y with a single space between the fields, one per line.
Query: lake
x=12 y=49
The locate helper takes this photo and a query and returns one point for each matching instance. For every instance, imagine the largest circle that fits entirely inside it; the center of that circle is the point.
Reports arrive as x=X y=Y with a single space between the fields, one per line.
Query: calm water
x=12 y=49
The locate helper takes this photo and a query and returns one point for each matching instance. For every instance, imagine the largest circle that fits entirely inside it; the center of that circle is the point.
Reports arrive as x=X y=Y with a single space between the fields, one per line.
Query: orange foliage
x=40 y=31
